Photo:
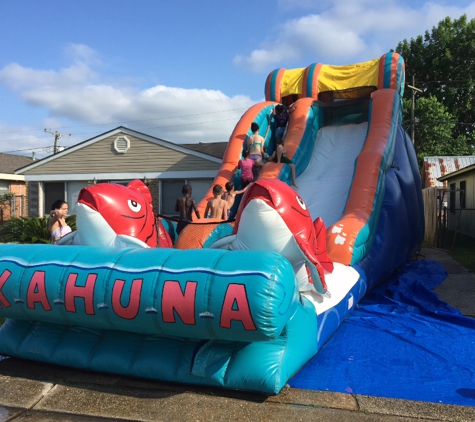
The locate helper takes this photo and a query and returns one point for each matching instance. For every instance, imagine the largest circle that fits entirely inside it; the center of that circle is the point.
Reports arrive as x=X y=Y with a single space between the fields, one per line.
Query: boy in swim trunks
x=217 y=207
x=185 y=205
x=230 y=196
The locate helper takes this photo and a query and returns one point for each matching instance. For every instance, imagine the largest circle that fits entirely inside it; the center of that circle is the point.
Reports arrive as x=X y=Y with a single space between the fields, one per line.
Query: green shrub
x=71 y=221
x=29 y=229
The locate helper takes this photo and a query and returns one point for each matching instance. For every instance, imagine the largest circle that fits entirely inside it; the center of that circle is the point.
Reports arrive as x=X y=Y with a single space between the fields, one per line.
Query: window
x=52 y=191
x=463 y=188
x=4 y=187
x=121 y=144
x=452 y=197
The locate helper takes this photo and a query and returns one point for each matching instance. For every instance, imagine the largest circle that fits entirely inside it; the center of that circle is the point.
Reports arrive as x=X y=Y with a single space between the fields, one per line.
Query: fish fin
x=321 y=240
x=224 y=242
x=125 y=241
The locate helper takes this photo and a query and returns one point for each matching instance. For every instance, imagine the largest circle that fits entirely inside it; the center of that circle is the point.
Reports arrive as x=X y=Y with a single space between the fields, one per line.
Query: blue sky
x=184 y=71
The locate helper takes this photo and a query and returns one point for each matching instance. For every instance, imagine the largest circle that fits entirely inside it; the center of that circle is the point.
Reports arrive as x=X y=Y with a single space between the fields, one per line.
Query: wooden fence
x=429 y=197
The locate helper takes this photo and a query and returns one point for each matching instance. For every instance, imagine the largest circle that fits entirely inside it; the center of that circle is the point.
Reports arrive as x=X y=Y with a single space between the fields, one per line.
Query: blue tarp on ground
x=400 y=342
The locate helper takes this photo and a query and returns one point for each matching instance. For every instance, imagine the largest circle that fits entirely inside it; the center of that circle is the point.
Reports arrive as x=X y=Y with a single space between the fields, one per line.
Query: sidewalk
x=32 y=391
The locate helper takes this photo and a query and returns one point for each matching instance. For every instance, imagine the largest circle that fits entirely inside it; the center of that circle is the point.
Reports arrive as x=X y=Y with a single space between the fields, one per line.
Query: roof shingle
x=9 y=162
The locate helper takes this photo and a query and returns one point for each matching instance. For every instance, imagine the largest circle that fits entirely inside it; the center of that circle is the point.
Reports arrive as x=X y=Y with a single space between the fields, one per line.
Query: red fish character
x=110 y=214
x=272 y=216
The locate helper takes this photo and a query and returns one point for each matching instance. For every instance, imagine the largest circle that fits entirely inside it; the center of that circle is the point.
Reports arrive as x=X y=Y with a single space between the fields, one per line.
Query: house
x=119 y=156
x=13 y=188
x=434 y=192
x=436 y=167
x=461 y=200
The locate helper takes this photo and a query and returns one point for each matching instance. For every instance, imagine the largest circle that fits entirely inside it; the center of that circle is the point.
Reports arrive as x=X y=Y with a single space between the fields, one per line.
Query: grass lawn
x=463 y=250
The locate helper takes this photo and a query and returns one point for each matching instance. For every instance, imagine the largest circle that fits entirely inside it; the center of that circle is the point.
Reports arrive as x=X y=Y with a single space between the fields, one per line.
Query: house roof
x=9 y=162
x=435 y=168
x=216 y=149
x=457 y=172
x=201 y=150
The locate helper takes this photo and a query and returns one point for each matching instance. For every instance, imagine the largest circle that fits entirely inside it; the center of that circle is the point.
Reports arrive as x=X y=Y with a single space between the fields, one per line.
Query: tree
x=434 y=130
x=443 y=65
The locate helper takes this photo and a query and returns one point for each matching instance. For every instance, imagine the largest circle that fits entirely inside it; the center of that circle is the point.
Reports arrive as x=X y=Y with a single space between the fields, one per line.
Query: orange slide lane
x=295 y=132
x=342 y=235
x=233 y=151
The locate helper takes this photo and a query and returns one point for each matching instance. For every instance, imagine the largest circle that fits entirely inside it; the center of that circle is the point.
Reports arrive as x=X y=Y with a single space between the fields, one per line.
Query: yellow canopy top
x=333 y=78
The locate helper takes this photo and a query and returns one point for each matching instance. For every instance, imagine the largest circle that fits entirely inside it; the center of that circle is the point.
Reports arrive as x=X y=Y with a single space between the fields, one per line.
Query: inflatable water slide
x=241 y=304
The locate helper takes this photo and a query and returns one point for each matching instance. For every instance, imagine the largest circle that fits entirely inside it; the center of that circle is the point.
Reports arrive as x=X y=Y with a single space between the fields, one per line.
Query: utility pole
x=413 y=106
x=57 y=135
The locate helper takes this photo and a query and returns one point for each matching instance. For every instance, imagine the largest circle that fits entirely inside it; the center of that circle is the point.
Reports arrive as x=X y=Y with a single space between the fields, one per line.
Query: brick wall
x=20 y=206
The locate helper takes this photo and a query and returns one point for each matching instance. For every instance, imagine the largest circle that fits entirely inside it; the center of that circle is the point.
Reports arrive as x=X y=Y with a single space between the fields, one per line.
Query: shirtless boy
x=185 y=205
x=230 y=196
x=217 y=207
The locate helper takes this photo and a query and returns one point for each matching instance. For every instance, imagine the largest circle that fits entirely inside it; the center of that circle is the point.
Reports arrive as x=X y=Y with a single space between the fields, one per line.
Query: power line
x=146 y=127
x=46 y=148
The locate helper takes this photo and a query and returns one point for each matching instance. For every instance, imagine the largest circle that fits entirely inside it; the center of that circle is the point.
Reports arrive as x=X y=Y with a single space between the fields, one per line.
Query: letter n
x=3 y=279
x=173 y=299
x=86 y=292
x=132 y=309
x=236 y=308
x=37 y=291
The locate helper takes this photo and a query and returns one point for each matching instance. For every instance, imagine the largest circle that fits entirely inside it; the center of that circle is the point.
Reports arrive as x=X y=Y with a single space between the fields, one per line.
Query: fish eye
x=301 y=203
x=134 y=205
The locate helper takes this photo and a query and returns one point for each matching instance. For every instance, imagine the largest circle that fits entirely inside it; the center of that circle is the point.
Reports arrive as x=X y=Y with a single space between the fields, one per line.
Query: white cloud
x=78 y=95
x=346 y=32
x=81 y=53
x=22 y=141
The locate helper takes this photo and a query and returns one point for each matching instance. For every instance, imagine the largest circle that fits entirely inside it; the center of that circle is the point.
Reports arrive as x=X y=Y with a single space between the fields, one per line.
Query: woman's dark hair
x=254 y=127
x=57 y=204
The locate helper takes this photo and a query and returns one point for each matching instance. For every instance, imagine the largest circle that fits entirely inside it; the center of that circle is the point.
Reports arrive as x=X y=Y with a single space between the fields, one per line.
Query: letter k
x=3 y=279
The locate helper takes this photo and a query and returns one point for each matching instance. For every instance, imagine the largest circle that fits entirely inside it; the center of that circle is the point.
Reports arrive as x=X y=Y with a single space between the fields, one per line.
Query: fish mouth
x=94 y=228
x=299 y=211
x=87 y=198
x=132 y=218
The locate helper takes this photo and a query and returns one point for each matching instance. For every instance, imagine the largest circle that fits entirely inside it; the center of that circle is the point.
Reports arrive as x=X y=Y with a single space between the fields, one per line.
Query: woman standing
x=57 y=223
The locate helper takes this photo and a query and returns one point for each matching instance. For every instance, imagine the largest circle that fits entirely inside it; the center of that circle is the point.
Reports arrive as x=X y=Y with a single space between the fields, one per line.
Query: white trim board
x=122 y=176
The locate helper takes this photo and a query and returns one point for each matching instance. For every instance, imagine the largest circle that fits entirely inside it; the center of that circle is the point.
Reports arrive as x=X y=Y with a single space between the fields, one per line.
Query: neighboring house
x=461 y=200
x=15 y=205
x=434 y=191
x=119 y=156
x=436 y=167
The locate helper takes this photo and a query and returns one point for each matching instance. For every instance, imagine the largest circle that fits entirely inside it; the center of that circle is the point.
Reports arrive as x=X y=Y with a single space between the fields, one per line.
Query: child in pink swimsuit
x=245 y=164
